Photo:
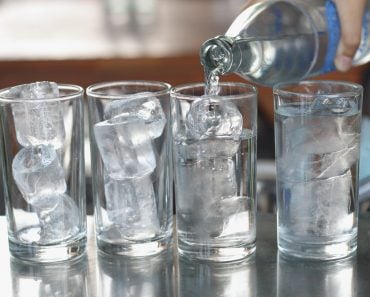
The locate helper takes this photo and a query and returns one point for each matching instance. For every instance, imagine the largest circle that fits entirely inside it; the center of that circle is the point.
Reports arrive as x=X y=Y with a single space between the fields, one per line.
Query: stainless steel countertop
x=267 y=273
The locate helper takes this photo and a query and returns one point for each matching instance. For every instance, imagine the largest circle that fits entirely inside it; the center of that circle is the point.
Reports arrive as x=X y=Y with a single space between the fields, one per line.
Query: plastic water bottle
x=281 y=40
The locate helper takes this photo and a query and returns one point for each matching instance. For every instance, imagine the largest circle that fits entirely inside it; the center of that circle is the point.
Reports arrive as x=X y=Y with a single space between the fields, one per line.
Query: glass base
x=48 y=253
x=318 y=251
x=216 y=254
x=134 y=249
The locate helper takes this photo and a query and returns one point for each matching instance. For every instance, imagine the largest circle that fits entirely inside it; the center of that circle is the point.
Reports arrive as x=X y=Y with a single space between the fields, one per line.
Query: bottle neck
x=224 y=54
x=217 y=55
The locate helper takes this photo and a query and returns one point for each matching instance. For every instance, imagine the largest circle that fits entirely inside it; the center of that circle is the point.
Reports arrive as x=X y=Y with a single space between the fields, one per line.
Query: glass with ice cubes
x=131 y=166
x=42 y=165
x=317 y=132
x=214 y=155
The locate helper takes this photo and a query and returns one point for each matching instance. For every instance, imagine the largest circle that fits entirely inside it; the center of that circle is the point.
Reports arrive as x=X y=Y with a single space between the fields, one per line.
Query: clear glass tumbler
x=317 y=133
x=214 y=156
x=131 y=167
x=42 y=164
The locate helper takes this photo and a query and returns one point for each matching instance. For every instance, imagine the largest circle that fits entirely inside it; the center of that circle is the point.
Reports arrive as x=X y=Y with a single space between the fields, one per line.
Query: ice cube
x=229 y=216
x=37 y=90
x=324 y=104
x=131 y=206
x=335 y=163
x=322 y=207
x=142 y=105
x=214 y=116
x=59 y=217
x=211 y=180
x=38 y=122
x=125 y=147
x=38 y=173
x=319 y=148
x=237 y=212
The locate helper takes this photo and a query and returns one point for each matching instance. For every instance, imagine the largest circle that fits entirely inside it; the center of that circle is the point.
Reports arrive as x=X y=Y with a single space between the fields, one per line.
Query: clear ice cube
x=211 y=180
x=143 y=106
x=38 y=122
x=323 y=104
x=235 y=215
x=59 y=217
x=37 y=90
x=131 y=206
x=38 y=173
x=227 y=217
x=214 y=116
x=125 y=147
x=322 y=207
x=319 y=148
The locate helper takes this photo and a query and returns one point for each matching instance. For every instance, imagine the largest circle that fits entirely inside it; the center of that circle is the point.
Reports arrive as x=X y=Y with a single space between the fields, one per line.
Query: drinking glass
x=42 y=164
x=214 y=157
x=131 y=168
x=317 y=132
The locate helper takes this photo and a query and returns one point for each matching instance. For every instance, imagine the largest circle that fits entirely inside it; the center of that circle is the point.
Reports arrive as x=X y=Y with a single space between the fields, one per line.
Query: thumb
x=344 y=57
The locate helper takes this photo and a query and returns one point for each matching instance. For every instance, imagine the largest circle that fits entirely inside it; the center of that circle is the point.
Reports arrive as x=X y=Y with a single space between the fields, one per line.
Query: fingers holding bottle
x=350 y=15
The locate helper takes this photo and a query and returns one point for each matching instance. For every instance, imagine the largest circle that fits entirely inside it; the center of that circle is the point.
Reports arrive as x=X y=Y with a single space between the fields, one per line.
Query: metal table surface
x=267 y=273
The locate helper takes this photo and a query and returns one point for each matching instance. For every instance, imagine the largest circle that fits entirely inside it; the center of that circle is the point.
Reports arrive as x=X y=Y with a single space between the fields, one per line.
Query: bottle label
x=333 y=29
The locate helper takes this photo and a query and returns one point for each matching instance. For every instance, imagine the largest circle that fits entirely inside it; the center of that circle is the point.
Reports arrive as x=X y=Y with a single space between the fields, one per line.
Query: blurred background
x=88 y=41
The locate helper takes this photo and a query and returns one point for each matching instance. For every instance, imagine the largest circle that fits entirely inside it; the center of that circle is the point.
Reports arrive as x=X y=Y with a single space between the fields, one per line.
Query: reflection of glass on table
x=123 y=277
x=44 y=280
x=307 y=279
x=217 y=279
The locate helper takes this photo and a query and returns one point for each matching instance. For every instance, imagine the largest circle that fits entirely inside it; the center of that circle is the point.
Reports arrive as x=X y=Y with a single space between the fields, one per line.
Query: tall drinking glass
x=131 y=167
x=42 y=164
x=214 y=155
x=317 y=132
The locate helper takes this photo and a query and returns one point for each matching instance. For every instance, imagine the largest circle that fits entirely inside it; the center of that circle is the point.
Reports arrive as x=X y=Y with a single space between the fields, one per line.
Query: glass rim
x=252 y=90
x=78 y=91
x=354 y=89
x=92 y=90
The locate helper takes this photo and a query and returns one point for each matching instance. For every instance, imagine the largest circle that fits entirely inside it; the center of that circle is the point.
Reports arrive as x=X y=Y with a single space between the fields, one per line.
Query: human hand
x=350 y=15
